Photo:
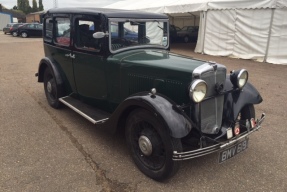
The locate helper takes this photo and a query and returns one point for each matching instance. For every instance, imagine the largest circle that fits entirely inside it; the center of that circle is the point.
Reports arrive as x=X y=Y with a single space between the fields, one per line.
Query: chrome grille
x=210 y=110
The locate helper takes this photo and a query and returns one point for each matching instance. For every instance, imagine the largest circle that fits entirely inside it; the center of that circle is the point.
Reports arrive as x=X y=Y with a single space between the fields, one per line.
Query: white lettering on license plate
x=232 y=151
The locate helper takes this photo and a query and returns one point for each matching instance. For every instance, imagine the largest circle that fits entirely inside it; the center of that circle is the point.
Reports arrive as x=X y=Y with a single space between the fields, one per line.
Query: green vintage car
x=171 y=107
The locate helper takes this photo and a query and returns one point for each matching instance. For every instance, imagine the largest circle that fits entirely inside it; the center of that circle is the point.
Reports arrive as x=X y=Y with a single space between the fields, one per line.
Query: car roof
x=110 y=13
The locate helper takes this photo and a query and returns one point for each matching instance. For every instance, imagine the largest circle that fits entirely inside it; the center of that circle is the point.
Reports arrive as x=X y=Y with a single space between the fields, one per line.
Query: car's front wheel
x=186 y=39
x=151 y=145
x=52 y=90
x=246 y=113
x=14 y=34
x=24 y=34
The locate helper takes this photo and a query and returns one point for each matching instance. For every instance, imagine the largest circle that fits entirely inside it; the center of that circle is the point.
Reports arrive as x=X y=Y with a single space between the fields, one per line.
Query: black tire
x=14 y=34
x=247 y=112
x=52 y=91
x=5 y=33
x=158 y=164
x=186 y=39
x=24 y=34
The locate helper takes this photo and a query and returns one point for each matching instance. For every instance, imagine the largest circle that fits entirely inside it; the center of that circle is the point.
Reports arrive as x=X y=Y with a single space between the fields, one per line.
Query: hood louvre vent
x=175 y=90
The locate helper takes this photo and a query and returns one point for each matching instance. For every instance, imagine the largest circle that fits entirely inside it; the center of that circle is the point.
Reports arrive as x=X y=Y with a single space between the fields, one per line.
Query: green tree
x=20 y=4
x=15 y=7
x=34 y=6
x=41 y=7
x=24 y=6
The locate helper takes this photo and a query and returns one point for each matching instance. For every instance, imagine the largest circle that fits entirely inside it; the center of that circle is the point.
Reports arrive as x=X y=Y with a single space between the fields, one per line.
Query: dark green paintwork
x=141 y=70
x=107 y=82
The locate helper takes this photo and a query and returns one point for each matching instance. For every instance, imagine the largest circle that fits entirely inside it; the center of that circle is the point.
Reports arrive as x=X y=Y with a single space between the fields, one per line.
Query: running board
x=92 y=114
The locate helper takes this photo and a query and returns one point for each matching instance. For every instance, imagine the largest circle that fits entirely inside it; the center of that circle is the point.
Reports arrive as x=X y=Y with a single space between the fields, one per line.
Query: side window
x=84 y=35
x=48 y=31
x=39 y=26
x=63 y=29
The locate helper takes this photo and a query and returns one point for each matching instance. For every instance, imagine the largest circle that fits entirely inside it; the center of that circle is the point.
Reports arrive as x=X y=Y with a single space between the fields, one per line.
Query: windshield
x=126 y=34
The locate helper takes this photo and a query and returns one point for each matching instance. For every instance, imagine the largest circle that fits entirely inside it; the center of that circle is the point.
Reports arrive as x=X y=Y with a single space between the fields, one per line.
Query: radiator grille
x=211 y=109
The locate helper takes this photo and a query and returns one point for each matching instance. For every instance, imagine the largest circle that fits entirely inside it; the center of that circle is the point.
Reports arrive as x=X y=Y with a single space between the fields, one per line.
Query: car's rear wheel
x=5 y=33
x=14 y=34
x=151 y=145
x=52 y=90
x=24 y=34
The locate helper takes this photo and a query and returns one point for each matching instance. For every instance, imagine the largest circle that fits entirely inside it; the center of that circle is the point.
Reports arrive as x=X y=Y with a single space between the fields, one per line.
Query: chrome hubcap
x=49 y=87
x=145 y=145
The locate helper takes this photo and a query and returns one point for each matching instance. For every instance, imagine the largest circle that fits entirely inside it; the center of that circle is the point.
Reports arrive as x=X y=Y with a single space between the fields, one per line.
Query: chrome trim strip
x=81 y=113
x=217 y=147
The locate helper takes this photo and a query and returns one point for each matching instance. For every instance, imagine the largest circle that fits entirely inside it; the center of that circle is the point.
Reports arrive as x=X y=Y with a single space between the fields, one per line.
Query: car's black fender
x=44 y=63
x=175 y=120
x=236 y=100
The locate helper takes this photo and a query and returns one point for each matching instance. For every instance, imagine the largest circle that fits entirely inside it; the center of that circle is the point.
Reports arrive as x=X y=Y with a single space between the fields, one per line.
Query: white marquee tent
x=247 y=29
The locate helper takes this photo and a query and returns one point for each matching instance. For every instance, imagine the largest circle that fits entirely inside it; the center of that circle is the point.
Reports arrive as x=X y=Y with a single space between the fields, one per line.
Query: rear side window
x=30 y=26
x=62 y=30
x=48 y=31
x=39 y=26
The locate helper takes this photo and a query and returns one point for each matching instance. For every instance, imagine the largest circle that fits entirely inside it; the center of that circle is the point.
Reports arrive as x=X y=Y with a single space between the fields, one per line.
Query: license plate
x=232 y=151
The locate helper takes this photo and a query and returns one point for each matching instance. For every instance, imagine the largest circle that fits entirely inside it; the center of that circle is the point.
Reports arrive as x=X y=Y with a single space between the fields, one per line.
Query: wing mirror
x=99 y=35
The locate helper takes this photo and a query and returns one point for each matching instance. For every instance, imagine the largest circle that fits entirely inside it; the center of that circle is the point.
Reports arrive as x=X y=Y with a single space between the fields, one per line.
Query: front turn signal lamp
x=239 y=78
x=197 y=90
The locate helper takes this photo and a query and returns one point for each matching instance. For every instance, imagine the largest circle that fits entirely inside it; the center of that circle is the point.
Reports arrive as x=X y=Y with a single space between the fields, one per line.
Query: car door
x=32 y=29
x=60 y=48
x=38 y=29
x=89 y=64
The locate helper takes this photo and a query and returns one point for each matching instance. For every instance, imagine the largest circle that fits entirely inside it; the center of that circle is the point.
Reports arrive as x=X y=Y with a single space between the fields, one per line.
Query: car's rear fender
x=235 y=101
x=175 y=120
x=47 y=63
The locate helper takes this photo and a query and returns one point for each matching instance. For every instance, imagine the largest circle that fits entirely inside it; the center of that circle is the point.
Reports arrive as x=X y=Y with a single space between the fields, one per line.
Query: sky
x=63 y=3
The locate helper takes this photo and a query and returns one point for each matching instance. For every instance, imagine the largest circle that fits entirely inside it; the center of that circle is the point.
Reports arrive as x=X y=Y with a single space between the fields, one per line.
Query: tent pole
x=172 y=18
x=269 y=35
x=194 y=18
x=204 y=19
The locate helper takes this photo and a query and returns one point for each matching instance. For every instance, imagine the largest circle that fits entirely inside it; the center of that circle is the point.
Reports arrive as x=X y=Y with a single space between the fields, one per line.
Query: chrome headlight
x=239 y=78
x=198 y=90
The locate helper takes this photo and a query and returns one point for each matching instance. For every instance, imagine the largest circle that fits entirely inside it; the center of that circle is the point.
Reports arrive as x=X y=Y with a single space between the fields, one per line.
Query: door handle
x=70 y=55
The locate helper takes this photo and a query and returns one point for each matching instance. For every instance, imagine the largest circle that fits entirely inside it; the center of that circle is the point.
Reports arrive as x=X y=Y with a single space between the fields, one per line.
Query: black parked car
x=188 y=34
x=30 y=29
x=173 y=32
x=12 y=28
x=170 y=107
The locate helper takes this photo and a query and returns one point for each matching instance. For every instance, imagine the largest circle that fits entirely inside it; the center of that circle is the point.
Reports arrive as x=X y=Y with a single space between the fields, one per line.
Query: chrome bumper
x=179 y=156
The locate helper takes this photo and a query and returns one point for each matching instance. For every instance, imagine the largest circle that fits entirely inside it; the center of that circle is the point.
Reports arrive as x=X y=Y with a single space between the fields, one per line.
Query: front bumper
x=179 y=156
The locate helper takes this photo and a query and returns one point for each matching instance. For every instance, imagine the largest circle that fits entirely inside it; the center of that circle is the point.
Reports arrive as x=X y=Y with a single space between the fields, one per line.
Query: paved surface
x=43 y=149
